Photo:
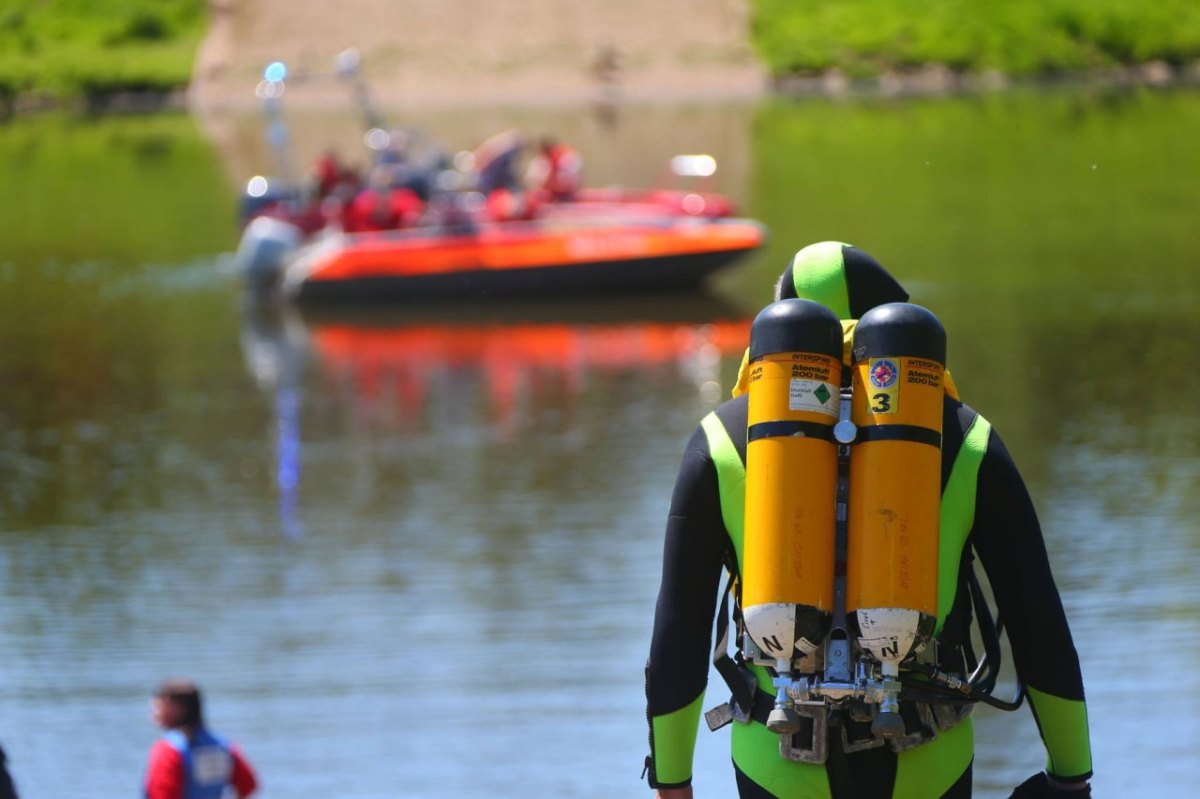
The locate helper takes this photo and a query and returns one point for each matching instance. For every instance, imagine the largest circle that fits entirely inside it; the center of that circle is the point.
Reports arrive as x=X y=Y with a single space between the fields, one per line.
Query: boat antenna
x=270 y=91
x=347 y=65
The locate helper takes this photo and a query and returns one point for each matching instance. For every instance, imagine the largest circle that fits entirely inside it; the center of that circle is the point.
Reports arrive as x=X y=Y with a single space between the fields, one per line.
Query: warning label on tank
x=805 y=646
x=813 y=395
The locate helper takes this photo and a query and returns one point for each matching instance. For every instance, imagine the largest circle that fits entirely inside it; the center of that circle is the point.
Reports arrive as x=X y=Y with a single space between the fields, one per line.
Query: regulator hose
x=943 y=687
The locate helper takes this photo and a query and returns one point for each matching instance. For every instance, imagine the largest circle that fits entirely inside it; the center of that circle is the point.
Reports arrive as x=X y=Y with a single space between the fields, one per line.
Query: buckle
x=729 y=711
x=811 y=743
x=719 y=716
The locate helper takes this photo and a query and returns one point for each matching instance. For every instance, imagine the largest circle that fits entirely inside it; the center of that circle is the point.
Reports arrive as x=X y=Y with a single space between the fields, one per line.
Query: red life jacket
x=564 y=173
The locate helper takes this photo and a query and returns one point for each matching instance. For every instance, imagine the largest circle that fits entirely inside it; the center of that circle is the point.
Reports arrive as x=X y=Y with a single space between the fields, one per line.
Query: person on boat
x=453 y=213
x=494 y=167
x=328 y=176
x=189 y=761
x=383 y=205
x=331 y=186
x=495 y=162
x=509 y=205
x=409 y=165
x=556 y=172
x=990 y=513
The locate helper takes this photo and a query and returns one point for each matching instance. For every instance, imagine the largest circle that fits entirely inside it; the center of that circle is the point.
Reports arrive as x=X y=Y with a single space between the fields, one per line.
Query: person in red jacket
x=189 y=761
x=556 y=170
x=383 y=205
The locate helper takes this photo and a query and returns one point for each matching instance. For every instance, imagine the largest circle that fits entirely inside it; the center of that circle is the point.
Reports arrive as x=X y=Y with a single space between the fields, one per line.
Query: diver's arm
x=680 y=648
x=1009 y=541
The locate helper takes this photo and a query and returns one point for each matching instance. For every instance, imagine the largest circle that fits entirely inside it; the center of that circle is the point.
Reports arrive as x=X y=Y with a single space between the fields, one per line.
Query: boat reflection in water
x=394 y=371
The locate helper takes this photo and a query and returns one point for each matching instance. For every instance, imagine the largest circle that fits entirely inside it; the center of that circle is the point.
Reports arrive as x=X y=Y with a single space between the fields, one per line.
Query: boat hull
x=519 y=260
x=660 y=273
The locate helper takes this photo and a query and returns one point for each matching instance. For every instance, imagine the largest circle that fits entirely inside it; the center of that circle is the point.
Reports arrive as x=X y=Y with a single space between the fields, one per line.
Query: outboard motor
x=263 y=252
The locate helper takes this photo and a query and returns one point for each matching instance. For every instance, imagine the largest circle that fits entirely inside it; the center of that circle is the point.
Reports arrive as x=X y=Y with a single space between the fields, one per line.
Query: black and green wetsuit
x=986 y=509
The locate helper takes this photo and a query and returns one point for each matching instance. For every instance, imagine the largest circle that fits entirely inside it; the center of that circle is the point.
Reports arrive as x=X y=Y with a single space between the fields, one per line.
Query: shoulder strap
x=732 y=670
x=731 y=480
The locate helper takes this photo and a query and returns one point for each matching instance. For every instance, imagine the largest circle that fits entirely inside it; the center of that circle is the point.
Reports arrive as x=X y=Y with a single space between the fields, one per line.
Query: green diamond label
x=816 y=396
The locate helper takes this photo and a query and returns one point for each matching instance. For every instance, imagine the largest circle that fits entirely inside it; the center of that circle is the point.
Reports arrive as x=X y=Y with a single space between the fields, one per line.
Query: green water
x=1051 y=232
x=408 y=544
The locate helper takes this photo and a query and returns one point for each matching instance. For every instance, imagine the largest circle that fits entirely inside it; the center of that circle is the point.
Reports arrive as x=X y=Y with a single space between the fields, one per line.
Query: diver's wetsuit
x=1006 y=536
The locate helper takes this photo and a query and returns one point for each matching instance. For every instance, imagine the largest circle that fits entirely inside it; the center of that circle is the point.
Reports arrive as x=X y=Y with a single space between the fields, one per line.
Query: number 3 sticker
x=882 y=374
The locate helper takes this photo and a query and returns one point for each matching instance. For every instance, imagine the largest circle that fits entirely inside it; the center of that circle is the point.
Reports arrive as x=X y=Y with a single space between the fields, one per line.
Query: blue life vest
x=207 y=763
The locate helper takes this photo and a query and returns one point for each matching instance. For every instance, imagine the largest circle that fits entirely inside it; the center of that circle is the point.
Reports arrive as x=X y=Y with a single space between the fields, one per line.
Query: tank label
x=813 y=395
x=884 y=648
x=883 y=372
x=884 y=393
x=887 y=633
x=805 y=646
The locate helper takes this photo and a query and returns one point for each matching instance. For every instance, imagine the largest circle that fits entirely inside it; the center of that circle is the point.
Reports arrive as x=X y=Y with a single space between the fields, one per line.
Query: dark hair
x=186 y=696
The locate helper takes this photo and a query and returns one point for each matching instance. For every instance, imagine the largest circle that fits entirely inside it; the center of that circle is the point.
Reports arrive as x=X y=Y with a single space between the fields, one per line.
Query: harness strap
x=732 y=671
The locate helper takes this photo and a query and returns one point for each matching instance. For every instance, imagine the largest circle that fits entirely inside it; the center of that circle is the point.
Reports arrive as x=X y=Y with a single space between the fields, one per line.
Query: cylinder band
x=789 y=429
x=899 y=432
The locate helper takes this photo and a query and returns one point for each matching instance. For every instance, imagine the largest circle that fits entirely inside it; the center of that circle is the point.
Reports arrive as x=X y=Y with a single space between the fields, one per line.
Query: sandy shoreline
x=444 y=54
x=437 y=53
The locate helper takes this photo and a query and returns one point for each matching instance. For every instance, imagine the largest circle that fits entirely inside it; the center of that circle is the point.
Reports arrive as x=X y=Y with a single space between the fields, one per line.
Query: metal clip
x=740 y=715
x=729 y=711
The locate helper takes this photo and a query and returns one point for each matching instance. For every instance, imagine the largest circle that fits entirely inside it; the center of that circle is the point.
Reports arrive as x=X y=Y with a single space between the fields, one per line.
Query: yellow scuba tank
x=795 y=363
x=899 y=356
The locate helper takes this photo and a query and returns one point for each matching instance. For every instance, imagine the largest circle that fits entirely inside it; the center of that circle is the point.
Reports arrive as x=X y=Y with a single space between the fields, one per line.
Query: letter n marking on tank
x=773 y=644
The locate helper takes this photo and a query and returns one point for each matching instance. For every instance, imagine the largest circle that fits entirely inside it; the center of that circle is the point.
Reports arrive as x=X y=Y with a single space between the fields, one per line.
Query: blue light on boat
x=275 y=72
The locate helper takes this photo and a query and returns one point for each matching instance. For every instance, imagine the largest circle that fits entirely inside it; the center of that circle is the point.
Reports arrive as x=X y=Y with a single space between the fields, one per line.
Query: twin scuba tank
x=843 y=492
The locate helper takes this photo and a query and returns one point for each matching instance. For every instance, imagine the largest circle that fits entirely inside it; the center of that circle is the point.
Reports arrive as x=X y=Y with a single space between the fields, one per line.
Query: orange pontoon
x=605 y=253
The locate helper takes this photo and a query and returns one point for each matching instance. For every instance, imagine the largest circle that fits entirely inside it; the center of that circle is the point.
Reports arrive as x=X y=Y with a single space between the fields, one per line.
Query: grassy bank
x=66 y=49
x=865 y=38
x=63 y=49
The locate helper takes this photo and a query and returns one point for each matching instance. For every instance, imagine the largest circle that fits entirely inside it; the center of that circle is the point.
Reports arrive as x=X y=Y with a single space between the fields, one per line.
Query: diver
x=985 y=512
